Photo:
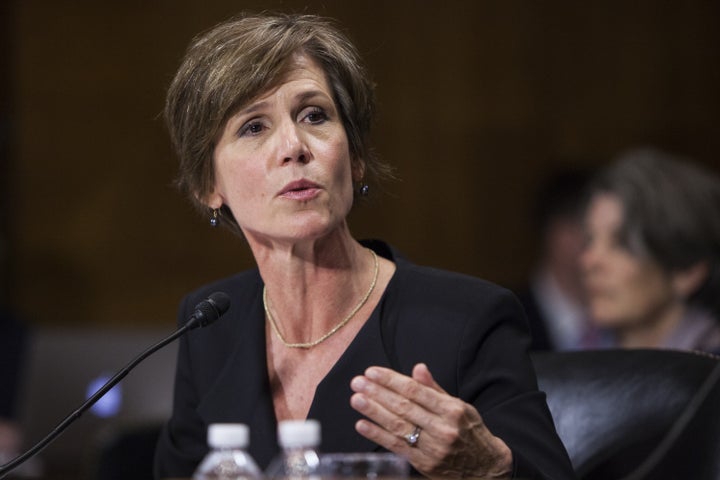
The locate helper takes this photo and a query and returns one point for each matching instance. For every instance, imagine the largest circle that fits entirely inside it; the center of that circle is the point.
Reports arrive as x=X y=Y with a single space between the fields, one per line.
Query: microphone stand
x=20 y=459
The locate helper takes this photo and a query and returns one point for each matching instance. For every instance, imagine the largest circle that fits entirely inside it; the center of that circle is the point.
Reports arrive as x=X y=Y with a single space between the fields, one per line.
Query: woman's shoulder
x=427 y=276
x=454 y=297
x=436 y=284
x=425 y=288
x=432 y=314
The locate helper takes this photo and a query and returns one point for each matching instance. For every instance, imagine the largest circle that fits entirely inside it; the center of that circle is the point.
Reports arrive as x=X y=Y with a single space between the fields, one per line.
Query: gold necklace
x=332 y=330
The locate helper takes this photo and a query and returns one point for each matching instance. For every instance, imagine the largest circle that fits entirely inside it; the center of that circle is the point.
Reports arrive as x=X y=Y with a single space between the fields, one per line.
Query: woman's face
x=282 y=163
x=623 y=290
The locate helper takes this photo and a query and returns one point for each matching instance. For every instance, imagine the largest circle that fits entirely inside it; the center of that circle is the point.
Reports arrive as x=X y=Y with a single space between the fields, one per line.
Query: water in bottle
x=228 y=458
x=299 y=459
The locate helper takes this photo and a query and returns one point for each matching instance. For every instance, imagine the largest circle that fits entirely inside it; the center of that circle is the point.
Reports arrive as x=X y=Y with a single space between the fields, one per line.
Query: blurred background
x=479 y=101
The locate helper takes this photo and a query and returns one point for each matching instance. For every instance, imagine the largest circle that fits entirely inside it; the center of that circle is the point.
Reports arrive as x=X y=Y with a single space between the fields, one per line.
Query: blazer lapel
x=242 y=390
x=331 y=405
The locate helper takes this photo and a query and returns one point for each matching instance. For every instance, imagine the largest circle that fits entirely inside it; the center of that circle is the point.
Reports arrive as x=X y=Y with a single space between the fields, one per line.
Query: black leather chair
x=635 y=414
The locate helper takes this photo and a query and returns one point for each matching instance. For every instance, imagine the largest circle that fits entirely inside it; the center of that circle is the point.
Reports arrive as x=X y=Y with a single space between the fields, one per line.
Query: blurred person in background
x=651 y=265
x=554 y=299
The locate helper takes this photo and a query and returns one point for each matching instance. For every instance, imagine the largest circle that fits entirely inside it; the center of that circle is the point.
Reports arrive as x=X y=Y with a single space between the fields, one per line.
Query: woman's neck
x=311 y=286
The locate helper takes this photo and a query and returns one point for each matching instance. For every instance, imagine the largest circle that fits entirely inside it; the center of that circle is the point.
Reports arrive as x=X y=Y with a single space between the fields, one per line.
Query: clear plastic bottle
x=228 y=458
x=299 y=459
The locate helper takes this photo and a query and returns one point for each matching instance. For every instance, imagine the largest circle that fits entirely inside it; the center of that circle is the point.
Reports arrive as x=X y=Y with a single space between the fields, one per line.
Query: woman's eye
x=251 y=128
x=316 y=116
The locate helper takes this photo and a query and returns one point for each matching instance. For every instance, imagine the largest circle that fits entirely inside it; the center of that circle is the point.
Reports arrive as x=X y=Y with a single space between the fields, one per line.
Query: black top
x=539 y=333
x=471 y=334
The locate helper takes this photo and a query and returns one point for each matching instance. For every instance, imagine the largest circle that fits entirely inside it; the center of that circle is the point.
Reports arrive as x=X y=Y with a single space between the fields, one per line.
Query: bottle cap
x=225 y=435
x=299 y=433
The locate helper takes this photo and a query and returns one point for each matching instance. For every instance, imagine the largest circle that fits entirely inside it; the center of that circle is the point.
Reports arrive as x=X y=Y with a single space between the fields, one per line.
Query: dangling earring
x=364 y=189
x=215 y=219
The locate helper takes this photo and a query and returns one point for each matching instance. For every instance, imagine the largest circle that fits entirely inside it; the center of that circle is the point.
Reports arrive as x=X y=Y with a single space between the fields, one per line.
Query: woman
x=652 y=262
x=270 y=117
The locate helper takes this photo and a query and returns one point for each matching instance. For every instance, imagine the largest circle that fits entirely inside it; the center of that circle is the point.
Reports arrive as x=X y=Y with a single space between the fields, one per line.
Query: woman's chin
x=606 y=319
x=303 y=232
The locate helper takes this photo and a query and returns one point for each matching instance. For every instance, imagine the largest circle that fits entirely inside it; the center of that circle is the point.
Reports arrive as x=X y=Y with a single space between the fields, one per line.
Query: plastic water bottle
x=299 y=459
x=228 y=458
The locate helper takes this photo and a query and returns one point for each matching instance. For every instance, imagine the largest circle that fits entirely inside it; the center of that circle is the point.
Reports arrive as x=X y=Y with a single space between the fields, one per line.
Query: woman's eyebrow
x=251 y=108
x=300 y=97
x=310 y=94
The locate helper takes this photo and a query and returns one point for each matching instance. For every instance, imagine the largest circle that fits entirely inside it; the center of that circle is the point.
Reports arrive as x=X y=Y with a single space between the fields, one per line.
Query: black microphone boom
x=206 y=312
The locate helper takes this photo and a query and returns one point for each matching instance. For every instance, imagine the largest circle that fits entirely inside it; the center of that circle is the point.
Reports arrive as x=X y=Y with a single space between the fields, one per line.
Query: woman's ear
x=689 y=280
x=213 y=200
x=358 y=170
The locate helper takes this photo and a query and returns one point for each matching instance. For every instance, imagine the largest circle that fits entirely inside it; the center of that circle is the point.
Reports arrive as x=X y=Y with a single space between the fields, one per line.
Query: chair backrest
x=613 y=409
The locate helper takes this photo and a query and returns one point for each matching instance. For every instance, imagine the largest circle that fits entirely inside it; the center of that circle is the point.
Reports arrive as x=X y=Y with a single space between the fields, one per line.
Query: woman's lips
x=300 y=190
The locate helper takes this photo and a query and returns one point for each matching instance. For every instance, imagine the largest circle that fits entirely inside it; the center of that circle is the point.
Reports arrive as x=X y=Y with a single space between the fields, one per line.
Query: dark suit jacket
x=470 y=333
x=539 y=334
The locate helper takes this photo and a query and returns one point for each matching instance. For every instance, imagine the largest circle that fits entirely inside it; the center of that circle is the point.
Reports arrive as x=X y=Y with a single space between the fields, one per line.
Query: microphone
x=209 y=310
x=206 y=312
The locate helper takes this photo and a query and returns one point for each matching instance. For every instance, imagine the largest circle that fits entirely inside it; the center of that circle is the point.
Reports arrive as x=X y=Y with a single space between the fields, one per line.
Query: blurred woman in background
x=652 y=262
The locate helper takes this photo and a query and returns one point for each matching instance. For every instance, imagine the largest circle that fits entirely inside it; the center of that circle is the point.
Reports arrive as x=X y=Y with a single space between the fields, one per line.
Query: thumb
x=422 y=374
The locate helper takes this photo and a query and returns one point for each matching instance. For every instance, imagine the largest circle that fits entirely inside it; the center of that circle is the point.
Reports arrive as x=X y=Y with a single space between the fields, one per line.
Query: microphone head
x=209 y=310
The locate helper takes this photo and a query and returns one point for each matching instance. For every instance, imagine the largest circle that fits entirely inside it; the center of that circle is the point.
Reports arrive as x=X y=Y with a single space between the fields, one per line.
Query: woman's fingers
x=397 y=404
x=422 y=374
x=386 y=439
x=395 y=413
x=453 y=439
x=429 y=396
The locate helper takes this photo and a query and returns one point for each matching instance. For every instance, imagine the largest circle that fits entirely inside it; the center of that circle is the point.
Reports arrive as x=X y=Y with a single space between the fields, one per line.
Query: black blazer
x=539 y=333
x=470 y=333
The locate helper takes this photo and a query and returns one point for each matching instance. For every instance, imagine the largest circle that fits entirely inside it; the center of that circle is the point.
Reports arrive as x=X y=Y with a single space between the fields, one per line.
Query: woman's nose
x=292 y=145
x=589 y=257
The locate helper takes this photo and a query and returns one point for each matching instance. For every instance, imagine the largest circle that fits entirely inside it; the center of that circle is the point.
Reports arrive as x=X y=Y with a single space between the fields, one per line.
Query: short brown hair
x=237 y=60
x=671 y=213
